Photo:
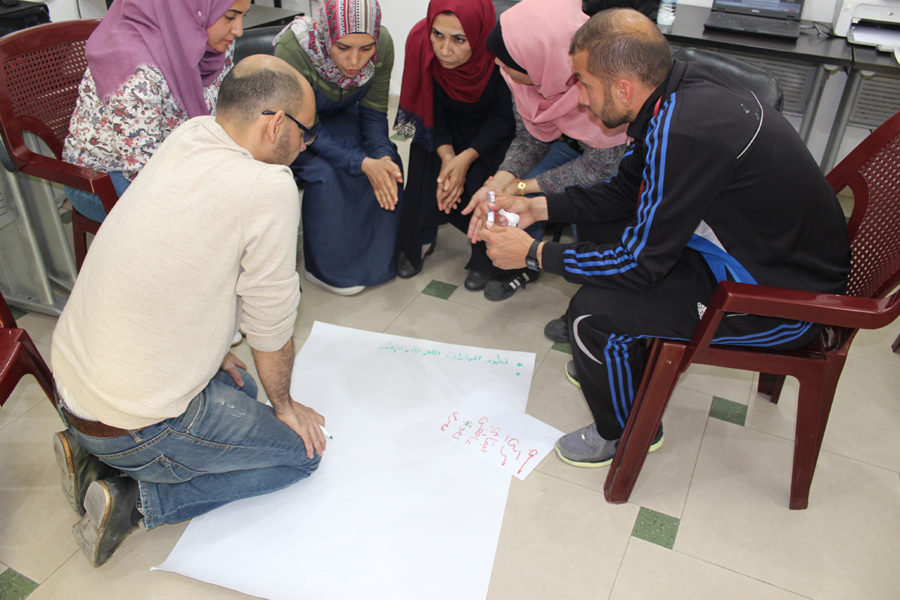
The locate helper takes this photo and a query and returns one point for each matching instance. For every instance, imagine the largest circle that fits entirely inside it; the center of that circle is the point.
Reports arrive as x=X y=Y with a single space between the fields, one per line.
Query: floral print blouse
x=122 y=133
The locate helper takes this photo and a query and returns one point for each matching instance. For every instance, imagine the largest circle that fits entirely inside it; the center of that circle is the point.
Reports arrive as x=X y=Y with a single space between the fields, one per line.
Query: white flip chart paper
x=395 y=510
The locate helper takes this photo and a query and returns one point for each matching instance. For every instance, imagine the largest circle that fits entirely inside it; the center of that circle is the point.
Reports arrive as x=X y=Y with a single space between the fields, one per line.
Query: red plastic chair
x=872 y=171
x=19 y=357
x=40 y=70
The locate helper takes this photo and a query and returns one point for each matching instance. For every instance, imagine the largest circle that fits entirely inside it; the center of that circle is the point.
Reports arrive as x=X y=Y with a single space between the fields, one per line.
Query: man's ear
x=623 y=92
x=272 y=126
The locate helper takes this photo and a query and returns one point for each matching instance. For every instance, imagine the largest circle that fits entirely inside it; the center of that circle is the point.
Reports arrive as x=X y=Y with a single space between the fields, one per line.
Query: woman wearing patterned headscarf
x=351 y=174
x=458 y=110
x=152 y=64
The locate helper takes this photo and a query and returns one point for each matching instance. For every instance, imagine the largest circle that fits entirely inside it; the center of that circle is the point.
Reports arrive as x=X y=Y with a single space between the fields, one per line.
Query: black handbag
x=19 y=15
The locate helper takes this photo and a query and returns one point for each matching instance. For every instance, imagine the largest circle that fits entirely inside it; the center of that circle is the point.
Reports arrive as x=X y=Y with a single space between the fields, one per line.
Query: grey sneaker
x=78 y=467
x=109 y=507
x=585 y=447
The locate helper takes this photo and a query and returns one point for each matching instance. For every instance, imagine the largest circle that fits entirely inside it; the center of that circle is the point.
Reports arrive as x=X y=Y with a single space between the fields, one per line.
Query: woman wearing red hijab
x=457 y=109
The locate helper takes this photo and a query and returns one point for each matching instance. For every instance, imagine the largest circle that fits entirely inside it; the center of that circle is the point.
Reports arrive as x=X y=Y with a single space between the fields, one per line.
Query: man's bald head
x=261 y=82
x=624 y=42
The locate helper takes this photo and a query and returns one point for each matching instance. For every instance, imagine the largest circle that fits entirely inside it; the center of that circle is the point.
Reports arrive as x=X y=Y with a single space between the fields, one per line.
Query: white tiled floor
x=727 y=485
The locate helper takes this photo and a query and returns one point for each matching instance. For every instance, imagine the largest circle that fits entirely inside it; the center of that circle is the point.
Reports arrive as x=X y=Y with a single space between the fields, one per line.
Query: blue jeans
x=559 y=154
x=226 y=446
x=89 y=204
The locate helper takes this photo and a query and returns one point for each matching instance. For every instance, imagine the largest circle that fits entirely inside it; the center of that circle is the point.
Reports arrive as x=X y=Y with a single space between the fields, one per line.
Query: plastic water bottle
x=666 y=14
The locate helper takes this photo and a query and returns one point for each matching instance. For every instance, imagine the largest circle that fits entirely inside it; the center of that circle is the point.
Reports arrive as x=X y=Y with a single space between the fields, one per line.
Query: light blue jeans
x=89 y=204
x=559 y=154
x=226 y=446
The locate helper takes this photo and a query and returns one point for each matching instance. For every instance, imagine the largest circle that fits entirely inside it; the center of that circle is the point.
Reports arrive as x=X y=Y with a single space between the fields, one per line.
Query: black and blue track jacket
x=713 y=169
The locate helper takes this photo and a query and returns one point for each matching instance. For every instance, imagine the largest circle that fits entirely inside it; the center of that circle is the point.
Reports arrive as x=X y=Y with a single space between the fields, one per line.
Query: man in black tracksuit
x=717 y=186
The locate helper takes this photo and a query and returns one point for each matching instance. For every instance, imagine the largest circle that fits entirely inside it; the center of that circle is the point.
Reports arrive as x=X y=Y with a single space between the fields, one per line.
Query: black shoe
x=476 y=280
x=501 y=289
x=79 y=468
x=405 y=269
x=109 y=505
x=557 y=330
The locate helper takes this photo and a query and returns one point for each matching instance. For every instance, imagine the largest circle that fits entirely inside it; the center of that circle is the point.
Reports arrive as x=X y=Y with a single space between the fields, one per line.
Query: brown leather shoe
x=79 y=468
x=109 y=505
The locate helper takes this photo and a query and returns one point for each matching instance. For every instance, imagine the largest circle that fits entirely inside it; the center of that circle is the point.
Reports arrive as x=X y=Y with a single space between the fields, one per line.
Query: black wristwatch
x=531 y=261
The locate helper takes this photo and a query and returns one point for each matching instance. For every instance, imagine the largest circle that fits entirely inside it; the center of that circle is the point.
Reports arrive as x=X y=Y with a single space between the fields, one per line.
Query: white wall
x=400 y=15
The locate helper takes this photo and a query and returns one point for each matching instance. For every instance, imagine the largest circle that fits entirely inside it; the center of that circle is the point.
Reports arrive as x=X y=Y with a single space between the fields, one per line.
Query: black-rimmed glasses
x=309 y=133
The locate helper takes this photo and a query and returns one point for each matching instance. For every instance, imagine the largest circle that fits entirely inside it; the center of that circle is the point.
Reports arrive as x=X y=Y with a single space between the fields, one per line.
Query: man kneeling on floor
x=717 y=186
x=203 y=241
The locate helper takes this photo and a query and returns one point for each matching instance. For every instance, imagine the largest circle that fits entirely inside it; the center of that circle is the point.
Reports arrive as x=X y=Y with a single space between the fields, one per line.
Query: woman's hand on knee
x=384 y=176
x=452 y=179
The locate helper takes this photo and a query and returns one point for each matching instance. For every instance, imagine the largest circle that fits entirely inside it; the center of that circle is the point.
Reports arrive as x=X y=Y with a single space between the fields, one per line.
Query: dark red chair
x=872 y=171
x=19 y=357
x=40 y=70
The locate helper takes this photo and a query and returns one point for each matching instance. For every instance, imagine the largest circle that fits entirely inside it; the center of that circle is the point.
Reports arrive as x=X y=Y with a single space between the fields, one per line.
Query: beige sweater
x=205 y=237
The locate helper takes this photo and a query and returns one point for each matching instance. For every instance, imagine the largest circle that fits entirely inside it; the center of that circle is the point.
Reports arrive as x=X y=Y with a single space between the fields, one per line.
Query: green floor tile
x=726 y=410
x=439 y=289
x=17 y=313
x=562 y=347
x=14 y=586
x=656 y=527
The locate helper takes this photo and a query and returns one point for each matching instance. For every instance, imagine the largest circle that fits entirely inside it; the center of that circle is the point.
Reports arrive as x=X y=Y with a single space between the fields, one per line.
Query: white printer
x=866 y=12
x=870 y=23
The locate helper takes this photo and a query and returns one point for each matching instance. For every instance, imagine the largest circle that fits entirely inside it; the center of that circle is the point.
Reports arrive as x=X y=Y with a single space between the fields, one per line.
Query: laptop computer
x=779 y=18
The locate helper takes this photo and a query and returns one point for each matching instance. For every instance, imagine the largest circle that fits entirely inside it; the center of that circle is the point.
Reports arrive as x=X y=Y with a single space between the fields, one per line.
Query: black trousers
x=420 y=217
x=610 y=329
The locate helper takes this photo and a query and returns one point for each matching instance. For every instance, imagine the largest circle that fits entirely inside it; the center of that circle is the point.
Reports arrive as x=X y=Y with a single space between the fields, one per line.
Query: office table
x=821 y=54
x=867 y=63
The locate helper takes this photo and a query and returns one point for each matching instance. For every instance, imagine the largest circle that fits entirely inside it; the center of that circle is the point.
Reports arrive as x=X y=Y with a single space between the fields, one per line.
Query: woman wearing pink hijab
x=152 y=64
x=558 y=143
